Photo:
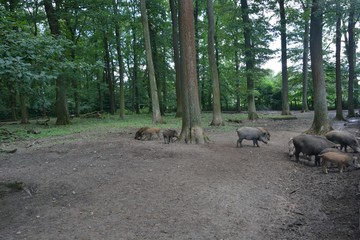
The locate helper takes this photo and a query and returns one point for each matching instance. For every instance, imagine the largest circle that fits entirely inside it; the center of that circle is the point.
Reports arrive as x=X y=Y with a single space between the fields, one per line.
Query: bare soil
x=111 y=186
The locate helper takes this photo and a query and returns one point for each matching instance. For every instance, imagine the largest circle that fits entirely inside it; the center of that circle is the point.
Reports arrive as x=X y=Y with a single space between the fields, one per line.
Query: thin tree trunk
x=321 y=122
x=120 y=62
x=284 y=72
x=191 y=130
x=154 y=94
x=249 y=61
x=339 y=110
x=24 y=109
x=306 y=7
x=197 y=46
x=175 y=43
x=217 y=118
x=108 y=74
x=351 y=59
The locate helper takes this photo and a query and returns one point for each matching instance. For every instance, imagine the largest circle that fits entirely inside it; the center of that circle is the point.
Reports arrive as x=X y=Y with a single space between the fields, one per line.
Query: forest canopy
x=91 y=56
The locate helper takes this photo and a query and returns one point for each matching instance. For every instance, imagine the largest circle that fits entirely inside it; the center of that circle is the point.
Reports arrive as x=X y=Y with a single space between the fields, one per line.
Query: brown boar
x=140 y=133
x=149 y=132
x=339 y=158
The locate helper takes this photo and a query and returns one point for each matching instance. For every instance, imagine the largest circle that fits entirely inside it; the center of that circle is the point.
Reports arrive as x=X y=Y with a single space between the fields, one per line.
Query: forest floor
x=107 y=185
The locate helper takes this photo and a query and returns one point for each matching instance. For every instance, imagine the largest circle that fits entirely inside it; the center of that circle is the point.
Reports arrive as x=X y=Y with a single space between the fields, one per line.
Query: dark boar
x=344 y=139
x=252 y=133
x=339 y=158
x=169 y=134
x=311 y=145
x=140 y=133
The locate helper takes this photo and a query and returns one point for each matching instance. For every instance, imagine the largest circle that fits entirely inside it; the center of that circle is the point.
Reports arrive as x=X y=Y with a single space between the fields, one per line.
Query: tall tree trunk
x=136 y=100
x=108 y=77
x=217 y=118
x=321 y=120
x=339 y=110
x=191 y=121
x=62 y=112
x=306 y=7
x=249 y=61
x=284 y=72
x=24 y=109
x=154 y=94
x=175 y=43
x=197 y=46
x=120 y=62
x=351 y=59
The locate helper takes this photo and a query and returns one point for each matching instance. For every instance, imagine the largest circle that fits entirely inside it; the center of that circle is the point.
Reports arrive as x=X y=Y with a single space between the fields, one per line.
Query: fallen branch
x=8 y=151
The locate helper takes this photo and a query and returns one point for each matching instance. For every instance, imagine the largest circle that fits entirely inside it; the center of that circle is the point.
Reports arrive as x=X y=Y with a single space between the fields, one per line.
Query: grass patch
x=112 y=123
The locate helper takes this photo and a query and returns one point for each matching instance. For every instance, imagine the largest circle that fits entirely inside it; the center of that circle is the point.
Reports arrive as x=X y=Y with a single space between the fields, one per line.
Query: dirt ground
x=111 y=186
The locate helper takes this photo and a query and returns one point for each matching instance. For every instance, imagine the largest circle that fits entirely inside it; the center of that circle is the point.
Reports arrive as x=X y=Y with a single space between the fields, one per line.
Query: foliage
x=31 y=59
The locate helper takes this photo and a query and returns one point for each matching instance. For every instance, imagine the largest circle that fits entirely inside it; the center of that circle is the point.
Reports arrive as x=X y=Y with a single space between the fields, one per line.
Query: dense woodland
x=65 y=57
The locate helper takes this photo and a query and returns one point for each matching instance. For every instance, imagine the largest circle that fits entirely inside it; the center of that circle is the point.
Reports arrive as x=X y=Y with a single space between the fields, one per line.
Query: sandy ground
x=111 y=186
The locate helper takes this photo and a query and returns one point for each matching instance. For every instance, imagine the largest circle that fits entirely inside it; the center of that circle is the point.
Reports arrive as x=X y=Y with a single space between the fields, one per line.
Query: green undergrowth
x=113 y=124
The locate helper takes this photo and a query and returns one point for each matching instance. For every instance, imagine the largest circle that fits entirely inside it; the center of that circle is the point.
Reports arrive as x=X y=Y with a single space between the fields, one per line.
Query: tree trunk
x=108 y=74
x=175 y=43
x=197 y=46
x=249 y=61
x=321 y=122
x=120 y=62
x=191 y=130
x=154 y=94
x=62 y=112
x=284 y=73
x=237 y=73
x=135 y=83
x=351 y=59
x=217 y=118
x=306 y=7
x=24 y=109
x=339 y=110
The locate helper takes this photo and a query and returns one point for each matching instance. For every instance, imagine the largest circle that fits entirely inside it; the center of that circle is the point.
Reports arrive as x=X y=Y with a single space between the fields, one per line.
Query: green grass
x=112 y=123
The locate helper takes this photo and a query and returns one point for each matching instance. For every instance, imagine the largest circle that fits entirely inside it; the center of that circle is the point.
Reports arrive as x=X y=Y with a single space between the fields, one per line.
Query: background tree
x=321 y=120
x=217 y=118
x=62 y=112
x=249 y=60
x=284 y=73
x=191 y=121
x=306 y=17
x=154 y=95
x=339 y=109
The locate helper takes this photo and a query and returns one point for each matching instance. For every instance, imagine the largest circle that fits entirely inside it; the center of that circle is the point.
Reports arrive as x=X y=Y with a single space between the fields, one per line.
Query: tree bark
x=154 y=92
x=191 y=130
x=339 y=109
x=284 y=72
x=217 y=118
x=321 y=122
x=120 y=62
x=249 y=61
x=107 y=75
x=62 y=112
x=351 y=59
x=24 y=109
x=175 y=43
x=306 y=7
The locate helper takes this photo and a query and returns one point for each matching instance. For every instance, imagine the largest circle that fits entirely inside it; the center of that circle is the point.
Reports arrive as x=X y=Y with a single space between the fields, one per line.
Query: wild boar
x=291 y=147
x=252 y=133
x=139 y=134
x=343 y=138
x=339 y=158
x=311 y=145
x=169 y=134
x=149 y=132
